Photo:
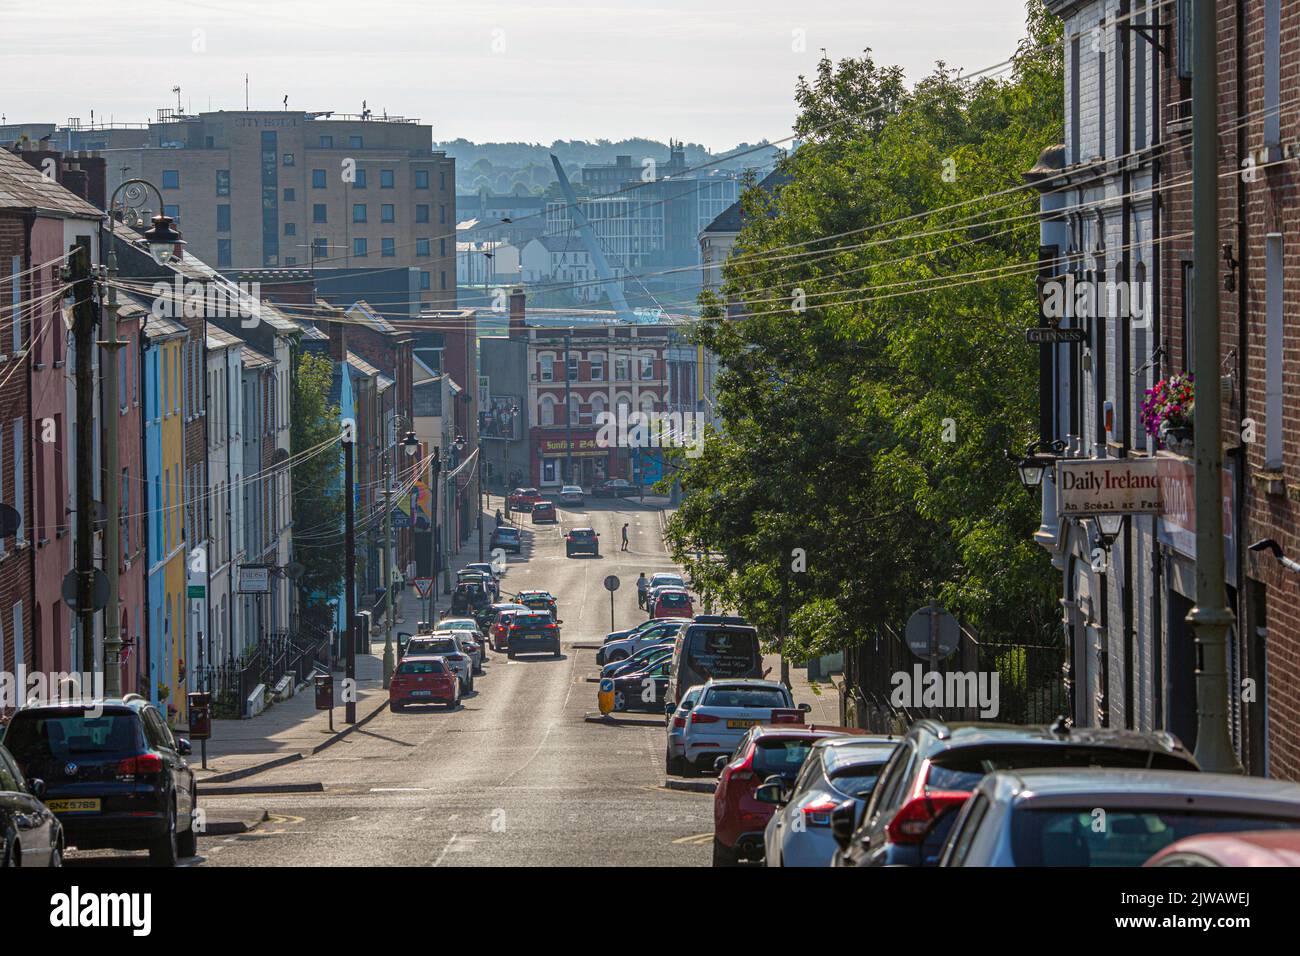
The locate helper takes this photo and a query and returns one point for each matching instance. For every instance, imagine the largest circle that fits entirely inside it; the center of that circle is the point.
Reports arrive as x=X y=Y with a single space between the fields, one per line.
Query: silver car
x=447 y=645
x=1099 y=817
x=836 y=770
x=725 y=712
x=676 y=749
x=472 y=639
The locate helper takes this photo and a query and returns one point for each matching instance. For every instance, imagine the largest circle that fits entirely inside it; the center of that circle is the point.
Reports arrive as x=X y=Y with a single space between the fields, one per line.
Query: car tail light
x=679 y=723
x=913 y=820
x=819 y=814
x=703 y=719
x=140 y=765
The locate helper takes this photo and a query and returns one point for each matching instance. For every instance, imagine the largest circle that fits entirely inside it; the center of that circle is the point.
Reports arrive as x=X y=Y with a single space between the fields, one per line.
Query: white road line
x=546 y=736
x=441 y=855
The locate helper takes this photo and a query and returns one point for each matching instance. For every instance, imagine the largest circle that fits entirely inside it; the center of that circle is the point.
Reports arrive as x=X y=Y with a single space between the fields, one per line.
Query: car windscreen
x=857 y=781
x=745 y=697
x=780 y=756
x=582 y=534
x=722 y=652
x=67 y=735
x=1131 y=836
x=507 y=532
x=530 y=620
x=661 y=580
x=432 y=647
x=421 y=667
x=673 y=599
x=962 y=768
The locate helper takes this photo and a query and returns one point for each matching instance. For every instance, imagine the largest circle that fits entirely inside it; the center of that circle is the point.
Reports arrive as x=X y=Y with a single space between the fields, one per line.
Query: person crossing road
x=642 y=585
x=624 y=548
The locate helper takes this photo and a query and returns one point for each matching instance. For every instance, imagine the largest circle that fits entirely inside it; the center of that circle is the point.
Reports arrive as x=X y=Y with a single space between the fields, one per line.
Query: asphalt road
x=516 y=776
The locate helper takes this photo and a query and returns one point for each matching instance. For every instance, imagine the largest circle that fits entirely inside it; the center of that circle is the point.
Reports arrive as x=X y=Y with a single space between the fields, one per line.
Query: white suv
x=447 y=645
x=725 y=712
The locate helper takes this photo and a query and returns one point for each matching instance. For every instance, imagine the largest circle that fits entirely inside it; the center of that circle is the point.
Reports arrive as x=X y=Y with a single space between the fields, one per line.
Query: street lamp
x=411 y=444
x=1032 y=466
x=1031 y=472
x=163 y=238
x=1108 y=528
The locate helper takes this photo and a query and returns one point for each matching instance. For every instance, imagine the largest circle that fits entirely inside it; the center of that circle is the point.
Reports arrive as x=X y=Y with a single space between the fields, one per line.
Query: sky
x=717 y=72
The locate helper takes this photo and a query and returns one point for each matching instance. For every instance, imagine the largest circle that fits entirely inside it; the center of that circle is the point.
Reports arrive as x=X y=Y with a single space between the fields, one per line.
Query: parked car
x=477 y=576
x=658 y=633
x=422 y=679
x=1050 y=816
x=713 y=646
x=30 y=833
x=544 y=513
x=572 y=495
x=506 y=538
x=523 y=499
x=499 y=625
x=630 y=631
x=838 y=771
x=493 y=577
x=725 y=712
x=675 y=750
x=447 y=645
x=642 y=658
x=470 y=597
x=937 y=765
x=531 y=632
x=581 y=541
x=642 y=689
x=769 y=756
x=117 y=780
x=672 y=602
x=539 y=600
x=471 y=638
x=662 y=579
x=614 y=488
x=1246 y=848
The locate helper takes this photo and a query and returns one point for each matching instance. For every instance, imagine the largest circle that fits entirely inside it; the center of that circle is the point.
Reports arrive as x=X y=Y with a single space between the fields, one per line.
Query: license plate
x=73 y=806
x=421 y=693
x=533 y=637
x=740 y=724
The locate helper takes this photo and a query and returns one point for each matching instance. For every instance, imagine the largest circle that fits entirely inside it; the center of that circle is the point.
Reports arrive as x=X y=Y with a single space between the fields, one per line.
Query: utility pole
x=568 y=413
x=386 y=544
x=83 y=333
x=109 y=346
x=350 y=575
x=480 y=498
x=1211 y=618
x=435 y=468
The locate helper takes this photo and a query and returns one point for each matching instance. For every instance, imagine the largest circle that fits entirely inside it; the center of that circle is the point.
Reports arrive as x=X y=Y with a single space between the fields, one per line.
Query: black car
x=30 y=833
x=532 y=632
x=113 y=773
x=581 y=541
x=937 y=765
x=507 y=539
x=614 y=488
x=643 y=690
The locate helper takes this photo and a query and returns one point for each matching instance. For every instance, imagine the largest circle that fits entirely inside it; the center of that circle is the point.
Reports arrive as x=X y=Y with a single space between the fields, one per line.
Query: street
x=513 y=777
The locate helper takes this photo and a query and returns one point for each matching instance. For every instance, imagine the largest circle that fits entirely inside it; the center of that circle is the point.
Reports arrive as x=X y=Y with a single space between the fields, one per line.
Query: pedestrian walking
x=624 y=548
x=498 y=517
x=642 y=583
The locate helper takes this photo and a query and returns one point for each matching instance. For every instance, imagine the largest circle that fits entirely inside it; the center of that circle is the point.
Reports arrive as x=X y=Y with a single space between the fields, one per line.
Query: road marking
x=438 y=861
x=399 y=790
x=698 y=839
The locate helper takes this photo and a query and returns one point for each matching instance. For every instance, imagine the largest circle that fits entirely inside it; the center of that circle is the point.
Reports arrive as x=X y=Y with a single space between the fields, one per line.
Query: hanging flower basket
x=1168 y=412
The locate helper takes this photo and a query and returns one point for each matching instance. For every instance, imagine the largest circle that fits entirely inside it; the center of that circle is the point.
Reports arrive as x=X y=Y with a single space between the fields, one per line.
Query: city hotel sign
x=1093 y=486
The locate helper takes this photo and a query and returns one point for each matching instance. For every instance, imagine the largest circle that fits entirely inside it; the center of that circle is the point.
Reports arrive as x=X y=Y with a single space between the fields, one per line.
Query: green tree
x=316 y=477
x=874 y=375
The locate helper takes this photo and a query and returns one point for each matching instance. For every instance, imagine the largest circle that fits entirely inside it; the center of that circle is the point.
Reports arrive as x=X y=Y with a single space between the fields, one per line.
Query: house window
x=647 y=367
x=1076 y=148
x=442 y=181
x=1184 y=28
x=1189 y=342
x=1274 y=349
x=421 y=247
x=598 y=368
x=1272 y=73
x=386 y=213
x=318 y=179
x=223 y=218
x=573 y=368
x=620 y=369
x=223 y=254
x=545 y=367
x=548 y=410
x=421 y=213
x=359 y=212
x=171 y=179
x=20 y=444
x=442 y=215
x=359 y=247
x=385 y=179
x=223 y=182
x=387 y=247
x=421 y=179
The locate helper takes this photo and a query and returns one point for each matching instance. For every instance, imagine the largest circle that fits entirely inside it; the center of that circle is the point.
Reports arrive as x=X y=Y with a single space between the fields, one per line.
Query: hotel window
x=442 y=280
x=171 y=179
x=442 y=214
x=359 y=247
x=545 y=367
x=318 y=179
x=442 y=181
x=355 y=142
x=387 y=247
x=424 y=282
x=421 y=213
x=289 y=194
x=360 y=181
x=223 y=218
x=291 y=229
x=320 y=249
x=223 y=182
x=385 y=179
x=647 y=367
x=442 y=247
x=174 y=211
x=421 y=247
x=421 y=179
x=288 y=159
x=598 y=368
x=319 y=212
x=386 y=213
x=359 y=212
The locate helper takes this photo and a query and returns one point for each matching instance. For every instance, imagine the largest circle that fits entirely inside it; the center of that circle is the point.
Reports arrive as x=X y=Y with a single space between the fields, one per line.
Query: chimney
x=518 y=328
x=338 y=340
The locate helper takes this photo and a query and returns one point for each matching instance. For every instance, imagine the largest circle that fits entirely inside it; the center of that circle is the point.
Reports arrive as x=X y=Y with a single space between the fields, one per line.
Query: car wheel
x=471 y=683
x=187 y=843
x=396 y=706
x=688 y=768
x=620 y=702
x=722 y=855
x=510 y=654
x=56 y=855
x=163 y=851
x=673 y=765
x=9 y=856
x=557 y=653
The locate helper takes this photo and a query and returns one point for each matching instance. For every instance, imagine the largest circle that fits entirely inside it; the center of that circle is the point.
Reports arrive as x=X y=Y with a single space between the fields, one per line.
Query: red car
x=523 y=499
x=672 y=603
x=500 y=637
x=1251 y=848
x=544 y=511
x=738 y=818
x=424 y=680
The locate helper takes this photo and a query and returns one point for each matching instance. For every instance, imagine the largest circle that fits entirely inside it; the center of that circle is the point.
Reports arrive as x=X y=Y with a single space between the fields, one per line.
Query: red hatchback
x=544 y=511
x=523 y=499
x=424 y=680
x=672 y=603
x=738 y=818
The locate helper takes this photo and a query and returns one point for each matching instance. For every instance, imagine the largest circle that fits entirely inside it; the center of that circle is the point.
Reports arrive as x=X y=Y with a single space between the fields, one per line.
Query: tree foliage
x=316 y=477
x=874 y=364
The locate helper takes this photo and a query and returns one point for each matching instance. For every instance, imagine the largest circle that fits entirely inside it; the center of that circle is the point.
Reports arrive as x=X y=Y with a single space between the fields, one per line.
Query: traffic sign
x=1051 y=335
x=932 y=632
x=611 y=582
x=422 y=586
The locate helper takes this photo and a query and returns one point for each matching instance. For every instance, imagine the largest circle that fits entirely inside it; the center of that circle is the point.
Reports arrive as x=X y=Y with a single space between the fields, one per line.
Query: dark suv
x=114 y=774
x=937 y=765
x=581 y=541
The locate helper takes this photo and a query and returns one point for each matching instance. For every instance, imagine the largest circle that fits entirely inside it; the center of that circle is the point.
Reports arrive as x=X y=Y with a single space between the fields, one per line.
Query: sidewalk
x=822 y=696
